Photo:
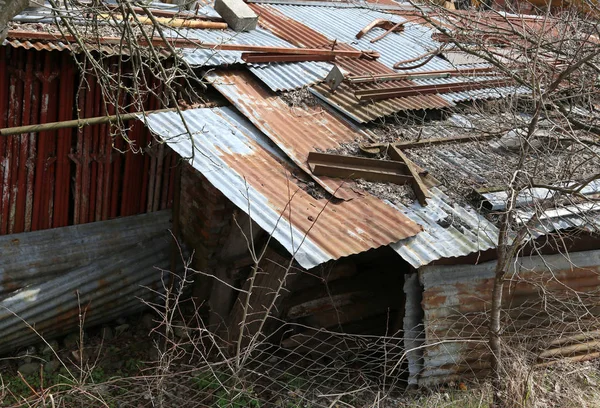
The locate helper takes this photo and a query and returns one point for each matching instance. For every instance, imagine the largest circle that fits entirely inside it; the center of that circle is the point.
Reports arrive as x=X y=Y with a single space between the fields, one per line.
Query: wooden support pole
x=75 y=123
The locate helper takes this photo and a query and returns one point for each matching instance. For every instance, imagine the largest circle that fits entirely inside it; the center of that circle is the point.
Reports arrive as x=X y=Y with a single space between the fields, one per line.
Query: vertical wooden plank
x=261 y=292
x=4 y=86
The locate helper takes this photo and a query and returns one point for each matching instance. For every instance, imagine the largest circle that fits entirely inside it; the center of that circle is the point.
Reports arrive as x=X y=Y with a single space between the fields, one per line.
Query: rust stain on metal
x=325 y=223
x=297 y=131
x=46 y=181
x=457 y=299
x=302 y=36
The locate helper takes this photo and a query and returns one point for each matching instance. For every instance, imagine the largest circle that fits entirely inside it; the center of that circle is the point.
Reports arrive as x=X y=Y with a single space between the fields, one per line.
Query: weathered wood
x=260 y=296
x=337 y=318
x=419 y=187
x=329 y=272
x=242 y=232
x=327 y=303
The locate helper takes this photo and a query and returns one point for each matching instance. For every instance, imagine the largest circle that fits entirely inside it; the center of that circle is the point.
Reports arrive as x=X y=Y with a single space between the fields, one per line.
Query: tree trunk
x=495 y=327
x=9 y=9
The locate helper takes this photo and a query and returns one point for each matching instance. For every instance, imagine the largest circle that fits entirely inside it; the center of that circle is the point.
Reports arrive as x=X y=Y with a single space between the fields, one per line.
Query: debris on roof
x=258 y=177
x=348 y=79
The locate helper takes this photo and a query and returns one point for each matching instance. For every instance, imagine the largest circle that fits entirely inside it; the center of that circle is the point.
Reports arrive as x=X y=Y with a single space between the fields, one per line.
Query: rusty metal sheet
x=260 y=179
x=107 y=268
x=46 y=180
x=343 y=99
x=456 y=298
x=297 y=131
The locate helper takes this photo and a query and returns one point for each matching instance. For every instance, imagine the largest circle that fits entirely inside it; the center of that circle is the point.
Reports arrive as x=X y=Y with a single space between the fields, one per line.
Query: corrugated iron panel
x=37 y=45
x=305 y=25
x=449 y=230
x=278 y=76
x=303 y=35
x=69 y=176
x=344 y=100
x=456 y=300
x=289 y=76
x=498 y=199
x=415 y=40
x=297 y=131
x=258 y=178
x=106 y=268
x=35 y=257
x=206 y=57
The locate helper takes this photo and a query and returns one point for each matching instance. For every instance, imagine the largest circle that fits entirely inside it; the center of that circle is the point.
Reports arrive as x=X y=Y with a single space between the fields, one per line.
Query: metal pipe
x=361 y=79
x=406 y=91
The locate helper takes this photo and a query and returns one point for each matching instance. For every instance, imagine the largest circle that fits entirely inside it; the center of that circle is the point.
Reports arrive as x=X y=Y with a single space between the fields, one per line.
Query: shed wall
x=549 y=303
x=70 y=176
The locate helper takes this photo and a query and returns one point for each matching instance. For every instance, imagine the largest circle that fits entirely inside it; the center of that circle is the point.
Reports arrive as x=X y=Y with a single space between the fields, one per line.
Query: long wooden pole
x=98 y=120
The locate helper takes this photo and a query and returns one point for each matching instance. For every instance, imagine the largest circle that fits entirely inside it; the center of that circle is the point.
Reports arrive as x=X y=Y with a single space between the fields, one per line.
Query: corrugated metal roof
x=278 y=76
x=258 y=178
x=306 y=25
x=289 y=76
x=38 y=45
x=106 y=268
x=297 y=131
x=343 y=99
x=449 y=230
x=415 y=40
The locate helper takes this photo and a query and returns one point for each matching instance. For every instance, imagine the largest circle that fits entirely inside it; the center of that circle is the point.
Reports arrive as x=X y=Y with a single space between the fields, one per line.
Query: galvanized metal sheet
x=414 y=41
x=105 y=270
x=39 y=256
x=343 y=99
x=260 y=179
x=278 y=76
x=456 y=300
x=499 y=199
x=449 y=230
x=291 y=75
x=296 y=130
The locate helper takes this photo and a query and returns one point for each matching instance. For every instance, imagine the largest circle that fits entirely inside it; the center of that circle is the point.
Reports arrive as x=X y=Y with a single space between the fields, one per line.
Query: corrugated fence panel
x=106 y=270
x=70 y=176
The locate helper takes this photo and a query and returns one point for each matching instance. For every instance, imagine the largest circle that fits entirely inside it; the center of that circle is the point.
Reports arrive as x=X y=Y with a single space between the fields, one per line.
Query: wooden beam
x=222 y=295
x=259 y=294
x=420 y=189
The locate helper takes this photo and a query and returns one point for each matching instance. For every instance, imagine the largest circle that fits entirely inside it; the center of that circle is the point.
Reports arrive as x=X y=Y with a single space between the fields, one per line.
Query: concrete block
x=237 y=14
